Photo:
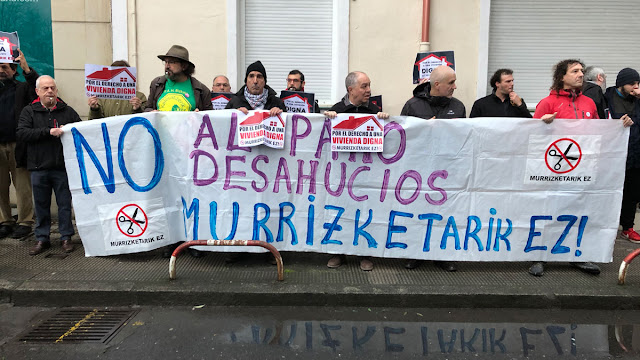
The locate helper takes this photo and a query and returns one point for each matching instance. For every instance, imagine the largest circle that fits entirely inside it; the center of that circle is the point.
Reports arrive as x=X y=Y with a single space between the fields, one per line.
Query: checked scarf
x=256 y=100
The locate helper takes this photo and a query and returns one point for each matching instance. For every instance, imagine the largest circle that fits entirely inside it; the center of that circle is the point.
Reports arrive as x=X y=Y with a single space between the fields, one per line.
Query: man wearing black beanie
x=256 y=94
x=623 y=104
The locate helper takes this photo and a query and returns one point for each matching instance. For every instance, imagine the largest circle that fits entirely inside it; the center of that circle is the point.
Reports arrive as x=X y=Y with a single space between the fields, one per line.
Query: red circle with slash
x=557 y=156
x=132 y=220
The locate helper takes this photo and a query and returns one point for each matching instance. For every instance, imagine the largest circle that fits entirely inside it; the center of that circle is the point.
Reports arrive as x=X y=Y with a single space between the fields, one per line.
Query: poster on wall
x=426 y=62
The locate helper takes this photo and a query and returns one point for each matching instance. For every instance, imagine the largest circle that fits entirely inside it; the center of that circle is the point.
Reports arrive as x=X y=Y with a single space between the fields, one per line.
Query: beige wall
x=200 y=26
x=385 y=37
x=81 y=35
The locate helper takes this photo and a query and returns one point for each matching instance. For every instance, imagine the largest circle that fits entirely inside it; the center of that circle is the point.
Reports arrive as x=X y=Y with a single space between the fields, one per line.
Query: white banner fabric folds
x=483 y=189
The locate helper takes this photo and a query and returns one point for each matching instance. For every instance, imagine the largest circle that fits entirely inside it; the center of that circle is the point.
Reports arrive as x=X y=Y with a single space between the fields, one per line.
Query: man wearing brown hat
x=256 y=94
x=623 y=103
x=178 y=90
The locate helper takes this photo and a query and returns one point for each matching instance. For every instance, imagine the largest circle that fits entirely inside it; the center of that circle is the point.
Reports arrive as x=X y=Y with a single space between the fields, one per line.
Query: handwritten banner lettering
x=465 y=189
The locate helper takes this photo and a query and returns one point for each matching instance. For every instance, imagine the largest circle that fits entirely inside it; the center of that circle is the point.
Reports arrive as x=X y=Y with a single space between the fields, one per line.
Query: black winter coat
x=25 y=93
x=633 y=152
x=595 y=93
x=44 y=151
x=492 y=106
x=239 y=100
x=425 y=106
x=343 y=106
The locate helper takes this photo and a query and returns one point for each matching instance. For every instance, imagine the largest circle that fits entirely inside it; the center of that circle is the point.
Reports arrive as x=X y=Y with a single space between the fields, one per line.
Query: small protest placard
x=376 y=100
x=258 y=128
x=357 y=133
x=426 y=62
x=9 y=44
x=110 y=82
x=220 y=100
x=298 y=101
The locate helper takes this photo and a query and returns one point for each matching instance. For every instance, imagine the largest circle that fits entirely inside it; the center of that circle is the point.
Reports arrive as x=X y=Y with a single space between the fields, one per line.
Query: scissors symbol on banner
x=131 y=221
x=564 y=156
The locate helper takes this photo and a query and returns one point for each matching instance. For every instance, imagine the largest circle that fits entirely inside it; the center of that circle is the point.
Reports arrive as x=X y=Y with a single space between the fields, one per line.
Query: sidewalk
x=143 y=279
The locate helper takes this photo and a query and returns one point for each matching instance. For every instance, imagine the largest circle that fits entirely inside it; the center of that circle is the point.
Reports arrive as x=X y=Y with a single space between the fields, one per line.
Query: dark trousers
x=630 y=197
x=43 y=182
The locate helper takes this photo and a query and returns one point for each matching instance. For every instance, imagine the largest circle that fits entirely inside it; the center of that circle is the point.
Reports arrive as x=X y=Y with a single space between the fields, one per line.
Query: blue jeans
x=43 y=182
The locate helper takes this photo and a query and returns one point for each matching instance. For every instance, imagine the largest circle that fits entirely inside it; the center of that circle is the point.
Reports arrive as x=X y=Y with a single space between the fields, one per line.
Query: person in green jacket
x=101 y=108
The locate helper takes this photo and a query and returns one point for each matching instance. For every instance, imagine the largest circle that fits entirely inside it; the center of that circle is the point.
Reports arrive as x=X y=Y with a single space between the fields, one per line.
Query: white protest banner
x=259 y=127
x=9 y=45
x=357 y=133
x=219 y=101
x=464 y=189
x=110 y=82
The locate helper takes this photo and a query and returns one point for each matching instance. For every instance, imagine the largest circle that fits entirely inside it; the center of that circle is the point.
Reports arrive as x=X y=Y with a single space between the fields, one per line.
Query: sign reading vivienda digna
x=496 y=189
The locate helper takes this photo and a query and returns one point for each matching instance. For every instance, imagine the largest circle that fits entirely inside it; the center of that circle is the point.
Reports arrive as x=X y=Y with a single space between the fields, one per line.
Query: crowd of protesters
x=33 y=116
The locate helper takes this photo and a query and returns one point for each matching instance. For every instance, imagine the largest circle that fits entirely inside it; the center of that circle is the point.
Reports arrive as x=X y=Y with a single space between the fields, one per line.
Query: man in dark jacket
x=40 y=127
x=356 y=100
x=256 y=94
x=14 y=95
x=177 y=89
x=623 y=104
x=595 y=82
x=503 y=101
x=434 y=99
x=295 y=82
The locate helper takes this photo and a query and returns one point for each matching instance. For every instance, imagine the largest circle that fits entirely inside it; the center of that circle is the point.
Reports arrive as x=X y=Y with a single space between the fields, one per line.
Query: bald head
x=358 y=87
x=443 y=81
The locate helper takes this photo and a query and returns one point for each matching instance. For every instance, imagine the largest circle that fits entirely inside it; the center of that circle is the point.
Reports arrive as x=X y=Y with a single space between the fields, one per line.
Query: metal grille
x=79 y=325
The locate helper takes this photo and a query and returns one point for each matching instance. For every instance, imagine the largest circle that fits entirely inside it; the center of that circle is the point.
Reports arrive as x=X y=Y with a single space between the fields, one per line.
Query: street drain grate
x=79 y=325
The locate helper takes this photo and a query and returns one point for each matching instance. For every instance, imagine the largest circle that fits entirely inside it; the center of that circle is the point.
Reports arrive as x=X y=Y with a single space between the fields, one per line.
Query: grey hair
x=352 y=79
x=44 y=76
x=217 y=76
x=591 y=73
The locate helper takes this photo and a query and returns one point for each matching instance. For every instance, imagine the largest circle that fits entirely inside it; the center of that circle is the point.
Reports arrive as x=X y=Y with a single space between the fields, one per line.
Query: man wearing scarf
x=256 y=94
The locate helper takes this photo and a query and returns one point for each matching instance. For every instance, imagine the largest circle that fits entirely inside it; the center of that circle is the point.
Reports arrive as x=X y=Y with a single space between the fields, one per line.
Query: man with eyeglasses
x=177 y=89
x=295 y=82
x=221 y=84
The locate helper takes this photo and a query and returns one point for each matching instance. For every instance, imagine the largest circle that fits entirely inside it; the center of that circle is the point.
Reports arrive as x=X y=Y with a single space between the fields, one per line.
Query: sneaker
x=537 y=269
x=21 y=231
x=631 y=235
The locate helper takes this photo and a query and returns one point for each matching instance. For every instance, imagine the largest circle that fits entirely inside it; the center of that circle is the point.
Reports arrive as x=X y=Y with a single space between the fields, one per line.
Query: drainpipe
x=425 y=45
x=133 y=9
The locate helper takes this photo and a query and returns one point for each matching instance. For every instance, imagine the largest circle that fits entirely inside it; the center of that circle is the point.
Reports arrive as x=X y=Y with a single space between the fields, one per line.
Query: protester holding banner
x=296 y=82
x=255 y=94
x=566 y=101
x=40 y=127
x=356 y=100
x=14 y=95
x=434 y=99
x=503 y=101
x=101 y=108
x=623 y=104
x=221 y=84
x=177 y=89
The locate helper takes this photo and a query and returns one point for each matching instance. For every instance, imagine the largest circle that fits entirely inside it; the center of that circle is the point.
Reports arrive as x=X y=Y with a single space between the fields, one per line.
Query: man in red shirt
x=567 y=102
